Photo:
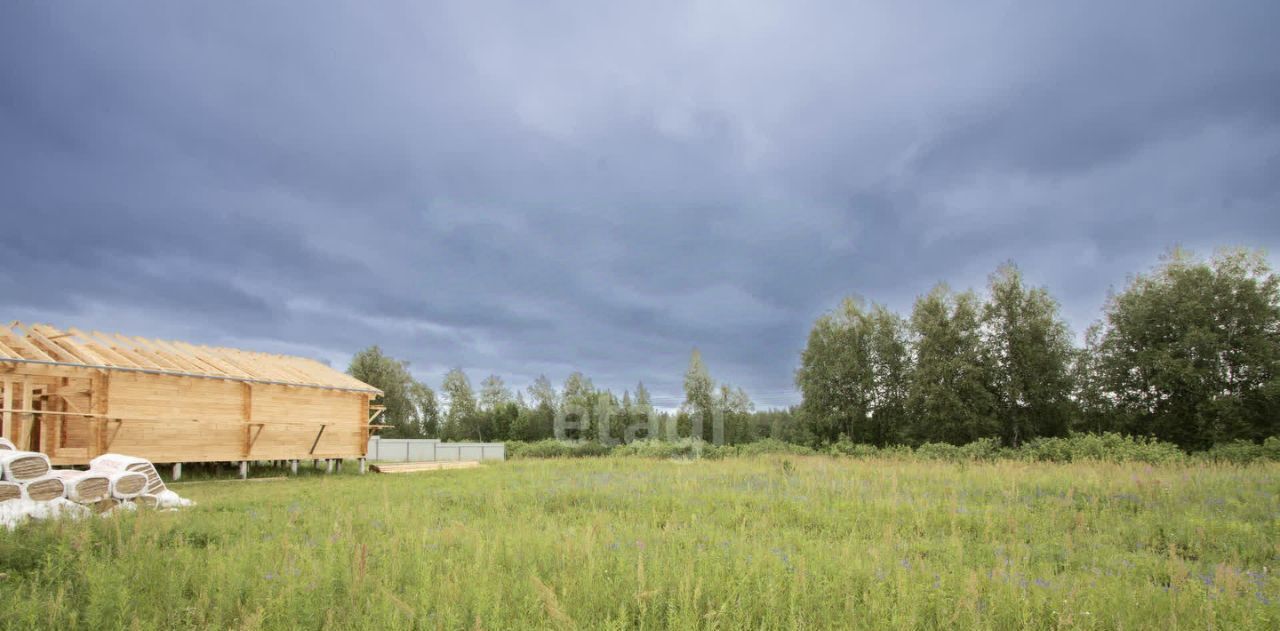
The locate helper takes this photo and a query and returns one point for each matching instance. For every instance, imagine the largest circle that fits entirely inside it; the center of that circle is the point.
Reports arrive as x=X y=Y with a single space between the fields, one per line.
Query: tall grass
x=767 y=542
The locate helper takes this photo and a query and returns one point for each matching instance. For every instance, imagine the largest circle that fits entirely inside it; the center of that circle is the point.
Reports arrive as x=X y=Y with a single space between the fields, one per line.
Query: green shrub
x=551 y=448
x=981 y=449
x=938 y=451
x=768 y=446
x=846 y=447
x=1243 y=451
x=686 y=448
x=1272 y=448
x=978 y=450
x=1109 y=447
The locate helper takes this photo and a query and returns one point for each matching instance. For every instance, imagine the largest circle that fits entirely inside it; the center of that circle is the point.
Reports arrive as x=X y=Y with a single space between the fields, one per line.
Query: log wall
x=81 y=413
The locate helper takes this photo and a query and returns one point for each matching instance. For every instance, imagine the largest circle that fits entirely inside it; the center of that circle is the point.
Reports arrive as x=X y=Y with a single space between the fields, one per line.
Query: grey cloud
x=521 y=189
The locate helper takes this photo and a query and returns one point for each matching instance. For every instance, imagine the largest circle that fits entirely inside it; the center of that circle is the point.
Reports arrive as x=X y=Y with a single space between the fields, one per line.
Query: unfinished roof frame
x=74 y=395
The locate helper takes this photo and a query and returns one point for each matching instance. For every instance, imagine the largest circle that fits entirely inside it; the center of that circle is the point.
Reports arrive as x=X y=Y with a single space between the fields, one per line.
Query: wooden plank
x=418 y=467
x=26 y=348
x=157 y=360
x=208 y=359
x=8 y=353
x=202 y=366
x=105 y=352
x=70 y=456
x=269 y=363
x=98 y=385
x=247 y=365
x=314 y=371
x=231 y=360
x=52 y=426
x=6 y=391
x=100 y=404
x=174 y=359
x=132 y=358
x=246 y=407
x=66 y=343
x=54 y=349
x=300 y=375
x=66 y=395
x=251 y=433
x=108 y=435
x=307 y=370
x=271 y=372
x=23 y=435
x=53 y=412
x=317 y=441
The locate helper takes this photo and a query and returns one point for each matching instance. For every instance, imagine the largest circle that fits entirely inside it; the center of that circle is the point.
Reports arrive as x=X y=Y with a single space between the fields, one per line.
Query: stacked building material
x=31 y=489
x=84 y=487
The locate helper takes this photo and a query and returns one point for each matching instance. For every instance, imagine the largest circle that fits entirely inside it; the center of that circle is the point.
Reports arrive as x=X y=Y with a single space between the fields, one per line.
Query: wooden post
x=99 y=391
x=293 y=465
x=339 y=465
x=246 y=413
x=6 y=393
x=51 y=436
x=362 y=466
x=244 y=469
x=26 y=420
x=177 y=471
x=328 y=467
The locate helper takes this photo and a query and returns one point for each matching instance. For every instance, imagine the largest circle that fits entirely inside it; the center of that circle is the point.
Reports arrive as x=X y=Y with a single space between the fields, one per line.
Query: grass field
x=770 y=542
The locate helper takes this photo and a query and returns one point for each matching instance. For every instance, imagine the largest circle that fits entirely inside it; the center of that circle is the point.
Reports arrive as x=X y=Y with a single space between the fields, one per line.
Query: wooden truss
x=42 y=344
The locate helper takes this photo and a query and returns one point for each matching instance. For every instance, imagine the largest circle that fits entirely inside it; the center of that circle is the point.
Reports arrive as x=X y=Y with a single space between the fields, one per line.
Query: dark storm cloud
x=524 y=189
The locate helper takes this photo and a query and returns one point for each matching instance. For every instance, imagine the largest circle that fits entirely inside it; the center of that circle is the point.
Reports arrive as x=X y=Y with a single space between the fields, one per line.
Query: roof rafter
x=44 y=344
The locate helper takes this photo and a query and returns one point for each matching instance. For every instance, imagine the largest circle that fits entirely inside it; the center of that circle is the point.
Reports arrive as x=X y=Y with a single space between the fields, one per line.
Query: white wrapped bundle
x=119 y=462
x=10 y=491
x=44 y=489
x=18 y=511
x=146 y=501
x=126 y=485
x=84 y=487
x=169 y=499
x=20 y=466
x=5 y=444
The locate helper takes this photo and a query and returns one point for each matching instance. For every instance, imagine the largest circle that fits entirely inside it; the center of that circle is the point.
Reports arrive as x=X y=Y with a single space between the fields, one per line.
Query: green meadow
x=768 y=542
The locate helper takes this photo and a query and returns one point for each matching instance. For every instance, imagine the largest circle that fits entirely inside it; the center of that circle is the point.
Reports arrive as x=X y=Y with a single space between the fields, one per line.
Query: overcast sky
x=540 y=187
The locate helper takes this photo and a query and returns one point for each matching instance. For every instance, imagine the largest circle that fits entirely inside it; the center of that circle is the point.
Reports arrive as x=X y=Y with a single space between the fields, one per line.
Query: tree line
x=496 y=412
x=1187 y=353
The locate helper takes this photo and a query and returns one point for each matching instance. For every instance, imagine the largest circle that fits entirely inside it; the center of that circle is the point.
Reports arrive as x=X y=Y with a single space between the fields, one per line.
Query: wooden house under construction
x=75 y=395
